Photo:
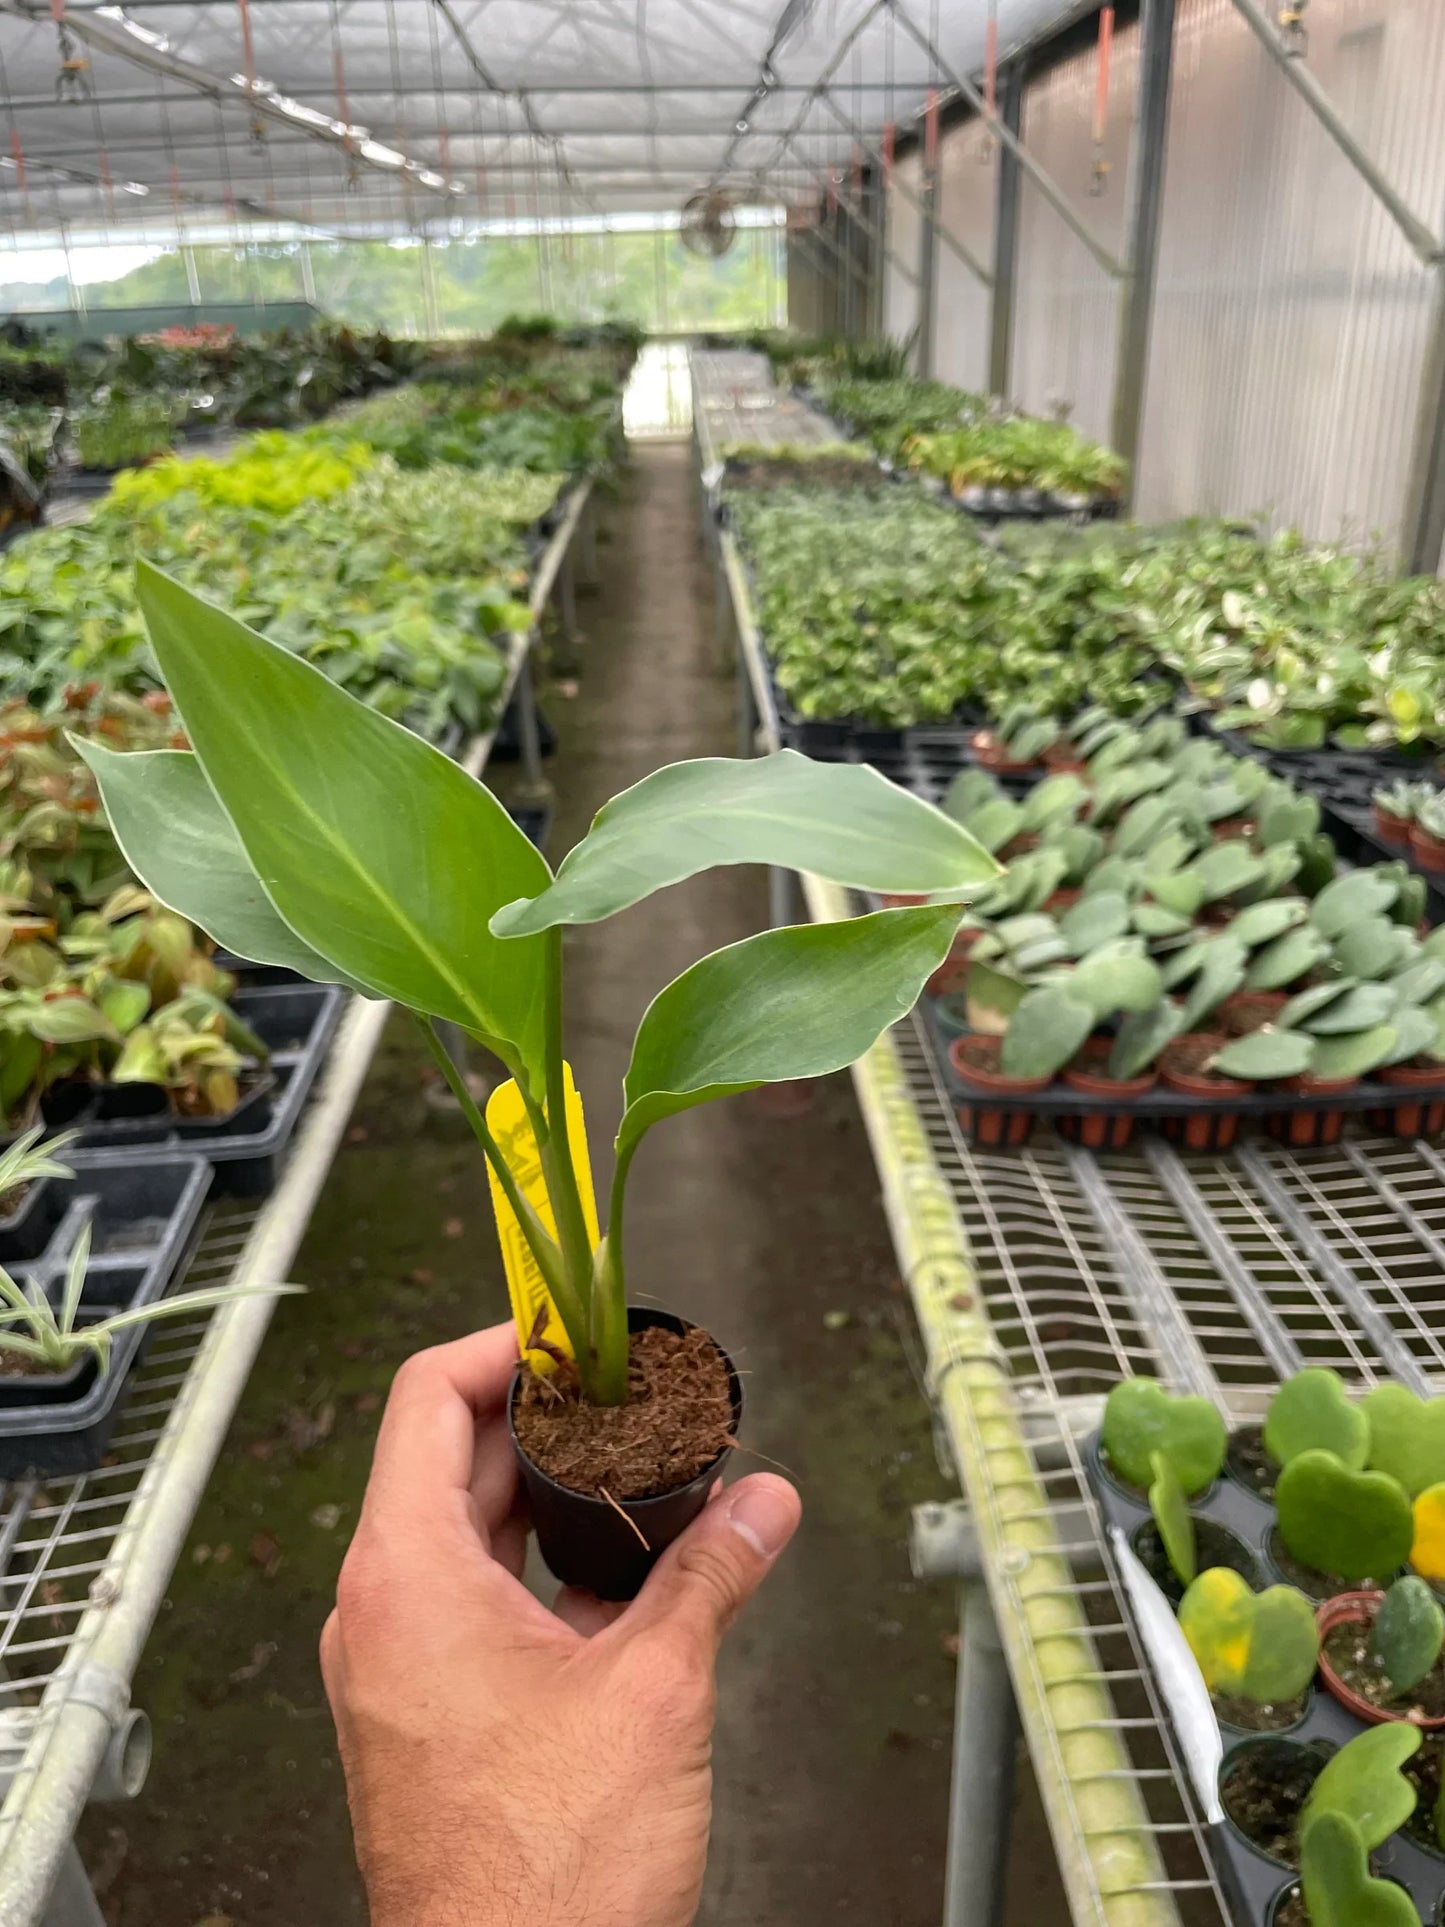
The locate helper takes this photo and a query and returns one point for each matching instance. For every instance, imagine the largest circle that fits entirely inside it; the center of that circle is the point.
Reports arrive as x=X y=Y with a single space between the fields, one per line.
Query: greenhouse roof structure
x=388 y=116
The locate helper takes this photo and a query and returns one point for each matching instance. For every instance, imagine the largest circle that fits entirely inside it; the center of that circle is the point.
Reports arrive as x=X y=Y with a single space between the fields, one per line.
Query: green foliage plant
x=1407 y=1633
x=1313 y=1411
x=1260 y=1646
x=279 y=833
x=1350 y=1525
x=1143 y=1418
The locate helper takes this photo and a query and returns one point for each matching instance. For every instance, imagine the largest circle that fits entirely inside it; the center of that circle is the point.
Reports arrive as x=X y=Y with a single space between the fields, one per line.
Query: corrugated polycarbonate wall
x=905 y=227
x=1066 y=308
x=1291 y=315
x=967 y=188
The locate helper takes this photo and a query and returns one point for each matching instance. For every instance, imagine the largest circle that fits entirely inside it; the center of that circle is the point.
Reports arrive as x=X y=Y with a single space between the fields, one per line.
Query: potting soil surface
x=759 y=1217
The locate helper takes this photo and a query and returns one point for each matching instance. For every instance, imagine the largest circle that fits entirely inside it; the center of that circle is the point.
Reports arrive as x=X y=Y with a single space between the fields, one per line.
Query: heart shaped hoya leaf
x=1364 y=1782
x=1262 y=1646
x=1313 y=1412
x=1407 y=1436
x=1427 y=1545
x=1349 y=1525
x=1339 y=1889
x=1142 y=1418
x=1408 y=1630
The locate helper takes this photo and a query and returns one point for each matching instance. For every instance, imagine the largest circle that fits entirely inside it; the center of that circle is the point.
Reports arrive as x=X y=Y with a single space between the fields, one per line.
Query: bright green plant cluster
x=1019 y=452
x=1197 y=875
x=888 y=413
x=122 y=429
x=487 y=427
x=292 y=851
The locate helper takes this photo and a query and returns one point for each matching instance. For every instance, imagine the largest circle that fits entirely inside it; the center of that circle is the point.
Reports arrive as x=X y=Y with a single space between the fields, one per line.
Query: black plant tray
x=1059 y=1100
x=143 y=1222
x=298 y=1021
x=1256 y=1883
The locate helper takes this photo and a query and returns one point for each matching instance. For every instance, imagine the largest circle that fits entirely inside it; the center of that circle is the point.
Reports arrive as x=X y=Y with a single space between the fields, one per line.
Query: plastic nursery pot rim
x=990 y=1080
x=1210 y=1084
x=1423 y=1076
x=1426 y=849
x=609 y=1547
x=1393 y=829
x=1139 y=1493
x=1353 y=1609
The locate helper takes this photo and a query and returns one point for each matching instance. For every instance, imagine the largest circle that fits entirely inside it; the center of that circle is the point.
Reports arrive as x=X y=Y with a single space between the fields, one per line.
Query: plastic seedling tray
x=297 y=1021
x=1258 y=1883
x=143 y=1221
x=1059 y=1100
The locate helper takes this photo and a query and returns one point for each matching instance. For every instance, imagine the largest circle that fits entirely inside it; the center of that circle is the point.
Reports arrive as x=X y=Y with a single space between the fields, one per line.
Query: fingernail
x=764 y=1516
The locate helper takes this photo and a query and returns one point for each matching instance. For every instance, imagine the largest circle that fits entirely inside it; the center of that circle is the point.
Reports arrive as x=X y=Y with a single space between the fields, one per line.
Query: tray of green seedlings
x=1284 y=1579
x=1174 y=943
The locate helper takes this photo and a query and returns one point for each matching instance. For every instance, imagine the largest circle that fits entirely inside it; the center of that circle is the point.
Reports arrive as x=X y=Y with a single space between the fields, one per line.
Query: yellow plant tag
x=509 y=1124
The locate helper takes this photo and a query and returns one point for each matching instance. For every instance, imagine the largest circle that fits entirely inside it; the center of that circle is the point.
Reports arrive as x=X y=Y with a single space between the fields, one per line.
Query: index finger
x=421 y=1474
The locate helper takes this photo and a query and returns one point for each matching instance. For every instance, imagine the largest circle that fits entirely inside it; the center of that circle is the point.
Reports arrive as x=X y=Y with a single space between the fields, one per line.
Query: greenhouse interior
x=722 y=761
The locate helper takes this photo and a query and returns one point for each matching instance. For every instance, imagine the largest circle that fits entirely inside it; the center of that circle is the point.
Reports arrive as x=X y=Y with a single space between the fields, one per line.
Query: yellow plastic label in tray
x=509 y=1124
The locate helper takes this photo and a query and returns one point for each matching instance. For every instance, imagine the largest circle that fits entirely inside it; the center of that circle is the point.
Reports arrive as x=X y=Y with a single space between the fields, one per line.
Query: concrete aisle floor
x=832 y=1750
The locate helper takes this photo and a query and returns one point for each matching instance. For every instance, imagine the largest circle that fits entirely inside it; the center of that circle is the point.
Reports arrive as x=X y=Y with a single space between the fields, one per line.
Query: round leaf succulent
x=1313 y=1412
x=1142 y=1418
x=1261 y=1646
x=1408 y=1630
x=1349 y=1525
x=1407 y=1436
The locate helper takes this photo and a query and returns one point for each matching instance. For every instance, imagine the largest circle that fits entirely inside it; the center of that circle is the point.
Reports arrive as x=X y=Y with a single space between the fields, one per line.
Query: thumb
x=703 y=1581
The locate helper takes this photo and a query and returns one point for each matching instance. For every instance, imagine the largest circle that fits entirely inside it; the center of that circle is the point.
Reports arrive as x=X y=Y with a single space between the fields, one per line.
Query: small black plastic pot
x=590 y=1543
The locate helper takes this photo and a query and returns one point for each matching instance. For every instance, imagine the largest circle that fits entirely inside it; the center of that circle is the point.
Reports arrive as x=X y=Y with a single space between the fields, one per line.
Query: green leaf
x=796 y=1002
x=1058 y=799
x=1262 y=1645
x=1313 y=1411
x=1045 y=1032
x=1368 y=948
x=1315 y=997
x=1407 y=1436
x=1349 y=1525
x=1363 y=1781
x=1358 y=1009
x=1350 y=898
x=1262 y=922
x=1094 y=920
x=1224 y=869
x=70 y=1020
x=1419 y=982
x=1170 y=1507
x=1265 y=1054
x=1286 y=959
x=1339 y=1889
x=1141 y=1418
x=842 y=821
x=381 y=854
x=1355 y=1054
x=182 y=845
x=1117 y=976
x=1154 y=921
x=1408 y=1630
x=1222 y=973
x=126 y=1003
x=1141 y=1037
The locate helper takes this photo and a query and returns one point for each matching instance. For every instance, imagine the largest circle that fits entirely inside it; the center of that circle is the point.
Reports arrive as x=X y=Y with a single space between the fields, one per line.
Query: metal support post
x=985 y=1749
x=1005 y=236
x=927 y=270
x=72 y=1903
x=1297 y=73
x=534 y=787
x=567 y=612
x=1145 y=200
x=1424 y=528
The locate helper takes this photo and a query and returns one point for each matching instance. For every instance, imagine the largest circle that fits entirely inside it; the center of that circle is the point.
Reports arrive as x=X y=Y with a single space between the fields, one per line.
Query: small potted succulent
x=1380 y=1653
x=1257 y=1650
x=281 y=834
x=1394 y=809
x=1018 y=745
x=1427 y=832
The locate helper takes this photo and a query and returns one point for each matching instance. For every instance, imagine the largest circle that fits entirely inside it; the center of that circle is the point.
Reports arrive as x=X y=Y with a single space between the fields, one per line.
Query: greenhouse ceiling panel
x=383 y=116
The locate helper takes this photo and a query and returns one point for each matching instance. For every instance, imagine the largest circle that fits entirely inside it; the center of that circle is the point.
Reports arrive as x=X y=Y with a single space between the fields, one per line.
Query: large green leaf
x=841 y=820
x=796 y=1002
x=184 y=848
x=378 y=851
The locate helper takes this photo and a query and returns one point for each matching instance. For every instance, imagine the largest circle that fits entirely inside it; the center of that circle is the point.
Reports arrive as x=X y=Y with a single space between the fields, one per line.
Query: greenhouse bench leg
x=985 y=1743
x=71 y=1902
x=944 y=1545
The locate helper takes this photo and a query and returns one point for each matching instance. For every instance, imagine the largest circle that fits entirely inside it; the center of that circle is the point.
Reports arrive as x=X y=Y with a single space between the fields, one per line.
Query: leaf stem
x=570 y=1308
x=556 y=1148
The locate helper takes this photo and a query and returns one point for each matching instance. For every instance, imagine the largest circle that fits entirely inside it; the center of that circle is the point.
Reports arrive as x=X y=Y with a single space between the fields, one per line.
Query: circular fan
x=707 y=223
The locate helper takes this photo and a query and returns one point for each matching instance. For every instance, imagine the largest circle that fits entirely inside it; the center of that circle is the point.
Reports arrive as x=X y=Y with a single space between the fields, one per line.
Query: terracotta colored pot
x=1019 y=845
x=1063 y=759
x=1428 y=851
x=1230 y=829
x=990 y=754
x=1105 y=1130
x=1062 y=901
x=1411 y=1117
x=1359 y=1608
x=976 y=1060
x=892 y=900
x=1304 y=1129
x=1247 y=1010
x=1214 y=1128
x=1217 y=914
x=1391 y=829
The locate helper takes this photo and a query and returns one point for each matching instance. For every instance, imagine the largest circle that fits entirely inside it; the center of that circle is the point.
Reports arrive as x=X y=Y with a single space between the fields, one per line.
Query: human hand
x=506 y=1764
